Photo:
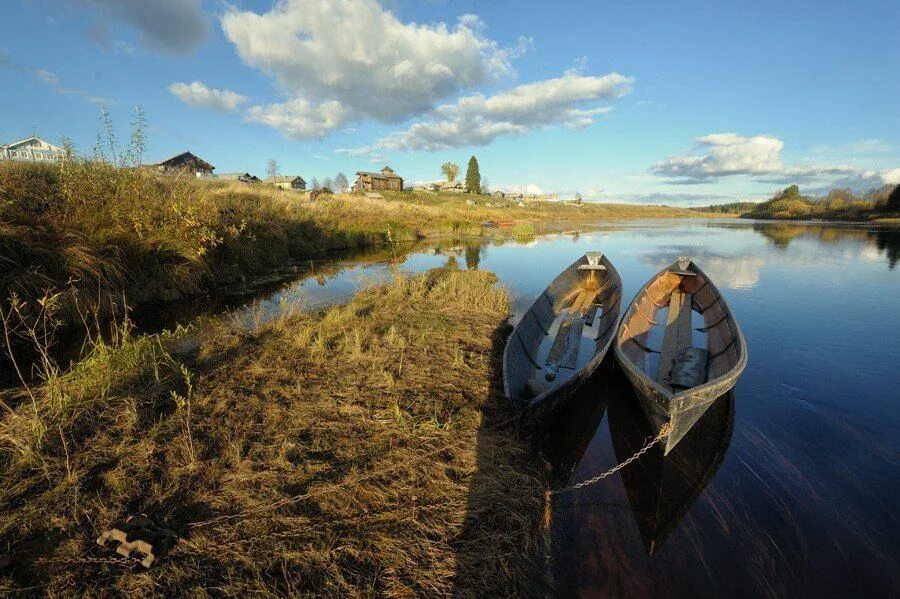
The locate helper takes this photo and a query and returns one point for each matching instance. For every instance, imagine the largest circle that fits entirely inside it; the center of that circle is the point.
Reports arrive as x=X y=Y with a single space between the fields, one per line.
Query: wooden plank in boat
x=564 y=352
x=584 y=300
x=591 y=315
x=678 y=333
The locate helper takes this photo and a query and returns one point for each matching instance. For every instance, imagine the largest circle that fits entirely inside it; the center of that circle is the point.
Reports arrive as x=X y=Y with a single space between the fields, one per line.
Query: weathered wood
x=584 y=301
x=661 y=404
x=677 y=336
x=591 y=315
x=526 y=384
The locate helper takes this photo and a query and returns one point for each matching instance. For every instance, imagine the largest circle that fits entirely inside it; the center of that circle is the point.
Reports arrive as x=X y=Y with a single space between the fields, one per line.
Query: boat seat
x=591 y=267
x=564 y=351
x=689 y=368
x=677 y=336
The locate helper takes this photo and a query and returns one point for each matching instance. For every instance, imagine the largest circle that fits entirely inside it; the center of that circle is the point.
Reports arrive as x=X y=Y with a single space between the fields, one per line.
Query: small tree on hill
x=791 y=193
x=272 y=168
x=341 y=183
x=473 y=176
x=314 y=183
x=450 y=170
x=893 y=202
x=328 y=184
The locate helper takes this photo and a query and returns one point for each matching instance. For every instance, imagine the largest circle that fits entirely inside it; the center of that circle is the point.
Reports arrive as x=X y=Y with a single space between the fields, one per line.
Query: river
x=787 y=488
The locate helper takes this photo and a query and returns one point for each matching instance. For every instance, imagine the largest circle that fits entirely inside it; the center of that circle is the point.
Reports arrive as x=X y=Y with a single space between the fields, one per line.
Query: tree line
x=339 y=183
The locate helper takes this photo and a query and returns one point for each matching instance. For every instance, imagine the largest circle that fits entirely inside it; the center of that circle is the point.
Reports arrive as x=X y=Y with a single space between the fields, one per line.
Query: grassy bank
x=98 y=234
x=362 y=450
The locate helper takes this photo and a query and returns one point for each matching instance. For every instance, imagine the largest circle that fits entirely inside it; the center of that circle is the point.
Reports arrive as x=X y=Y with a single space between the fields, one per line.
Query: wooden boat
x=680 y=346
x=661 y=489
x=562 y=338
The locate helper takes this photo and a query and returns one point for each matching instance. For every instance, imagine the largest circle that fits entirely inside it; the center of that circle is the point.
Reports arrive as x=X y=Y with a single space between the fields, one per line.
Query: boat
x=661 y=489
x=680 y=346
x=562 y=338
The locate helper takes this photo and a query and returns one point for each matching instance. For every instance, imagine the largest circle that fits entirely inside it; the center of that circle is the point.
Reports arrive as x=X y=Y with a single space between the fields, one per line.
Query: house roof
x=33 y=137
x=390 y=174
x=283 y=179
x=185 y=155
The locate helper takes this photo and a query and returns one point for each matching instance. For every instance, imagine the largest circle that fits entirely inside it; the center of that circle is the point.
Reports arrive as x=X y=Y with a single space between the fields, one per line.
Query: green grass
x=363 y=450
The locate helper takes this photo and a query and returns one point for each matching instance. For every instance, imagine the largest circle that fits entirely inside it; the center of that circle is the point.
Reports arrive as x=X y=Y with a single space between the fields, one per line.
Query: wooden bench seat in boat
x=677 y=337
x=564 y=351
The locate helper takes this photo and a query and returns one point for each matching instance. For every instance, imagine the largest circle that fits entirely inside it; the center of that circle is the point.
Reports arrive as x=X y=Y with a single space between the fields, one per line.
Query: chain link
x=663 y=433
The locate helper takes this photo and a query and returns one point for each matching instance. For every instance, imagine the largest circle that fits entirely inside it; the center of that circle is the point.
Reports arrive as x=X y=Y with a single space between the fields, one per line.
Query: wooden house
x=241 y=177
x=294 y=182
x=186 y=163
x=385 y=179
x=32 y=149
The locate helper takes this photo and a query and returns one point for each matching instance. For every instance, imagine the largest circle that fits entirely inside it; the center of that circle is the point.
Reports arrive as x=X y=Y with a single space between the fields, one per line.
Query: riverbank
x=364 y=449
x=98 y=237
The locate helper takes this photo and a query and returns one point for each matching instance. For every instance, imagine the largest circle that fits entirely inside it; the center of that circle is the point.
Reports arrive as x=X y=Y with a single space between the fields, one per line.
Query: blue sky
x=685 y=102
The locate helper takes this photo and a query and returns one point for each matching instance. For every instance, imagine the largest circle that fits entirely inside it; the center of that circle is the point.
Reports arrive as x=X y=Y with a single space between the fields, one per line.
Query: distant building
x=385 y=179
x=32 y=149
x=186 y=163
x=242 y=177
x=295 y=182
x=498 y=194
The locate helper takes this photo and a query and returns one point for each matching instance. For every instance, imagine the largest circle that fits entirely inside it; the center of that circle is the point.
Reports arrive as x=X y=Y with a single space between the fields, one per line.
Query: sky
x=686 y=103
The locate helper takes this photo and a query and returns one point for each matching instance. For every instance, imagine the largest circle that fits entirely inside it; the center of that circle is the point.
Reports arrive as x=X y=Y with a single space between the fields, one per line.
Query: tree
x=341 y=182
x=791 y=193
x=893 y=202
x=450 y=170
x=328 y=184
x=485 y=186
x=314 y=183
x=473 y=177
x=272 y=168
x=578 y=197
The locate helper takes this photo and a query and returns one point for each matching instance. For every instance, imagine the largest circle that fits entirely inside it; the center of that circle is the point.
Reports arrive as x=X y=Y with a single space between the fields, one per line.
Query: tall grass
x=363 y=450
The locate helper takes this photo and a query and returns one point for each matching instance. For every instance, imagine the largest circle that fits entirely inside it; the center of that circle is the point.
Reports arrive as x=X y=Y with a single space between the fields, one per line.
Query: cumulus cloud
x=177 y=26
x=477 y=120
x=198 y=94
x=299 y=118
x=526 y=189
x=353 y=59
x=721 y=155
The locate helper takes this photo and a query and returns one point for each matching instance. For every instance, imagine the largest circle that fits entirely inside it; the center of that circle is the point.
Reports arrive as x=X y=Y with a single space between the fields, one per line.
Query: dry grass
x=361 y=451
x=92 y=231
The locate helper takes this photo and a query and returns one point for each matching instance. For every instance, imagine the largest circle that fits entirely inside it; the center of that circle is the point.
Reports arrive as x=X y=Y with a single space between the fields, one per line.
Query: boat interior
x=678 y=331
x=565 y=328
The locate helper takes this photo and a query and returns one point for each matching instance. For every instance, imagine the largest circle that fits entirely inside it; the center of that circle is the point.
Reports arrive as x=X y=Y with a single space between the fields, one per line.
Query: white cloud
x=725 y=154
x=198 y=94
x=526 y=189
x=721 y=155
x=177 y=26
x=360 y=61
x=477 y=120
x=891 y=176
x=299 y=118
x=47 y=77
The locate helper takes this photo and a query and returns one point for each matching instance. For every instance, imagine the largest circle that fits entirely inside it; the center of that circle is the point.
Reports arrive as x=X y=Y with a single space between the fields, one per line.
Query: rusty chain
x=663 y=433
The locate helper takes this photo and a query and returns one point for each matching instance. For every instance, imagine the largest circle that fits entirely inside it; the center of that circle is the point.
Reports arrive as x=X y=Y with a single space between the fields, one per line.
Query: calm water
x=789 y=486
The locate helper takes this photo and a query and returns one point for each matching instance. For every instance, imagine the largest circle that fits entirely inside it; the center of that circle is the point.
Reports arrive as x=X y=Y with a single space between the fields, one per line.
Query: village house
x=386 y=179
x=242 y=177
x=186 y=163
x=294 y=182
x=32 y=149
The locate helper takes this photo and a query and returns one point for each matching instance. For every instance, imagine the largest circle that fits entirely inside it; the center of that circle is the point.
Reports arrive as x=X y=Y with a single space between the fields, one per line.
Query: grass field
x=362 y=450
x=96 y=234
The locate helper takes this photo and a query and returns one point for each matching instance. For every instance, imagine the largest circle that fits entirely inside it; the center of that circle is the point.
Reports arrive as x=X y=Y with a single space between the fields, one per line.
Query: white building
x=32 y=149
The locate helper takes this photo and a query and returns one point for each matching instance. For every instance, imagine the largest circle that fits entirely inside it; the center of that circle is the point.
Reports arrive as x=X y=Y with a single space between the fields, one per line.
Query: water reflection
x=661 y=489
